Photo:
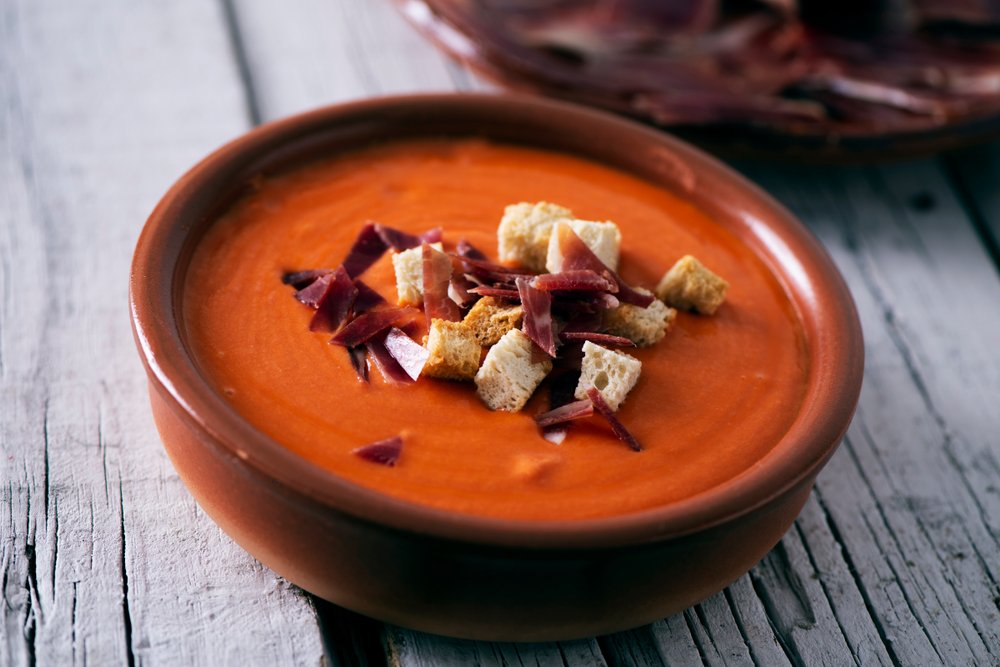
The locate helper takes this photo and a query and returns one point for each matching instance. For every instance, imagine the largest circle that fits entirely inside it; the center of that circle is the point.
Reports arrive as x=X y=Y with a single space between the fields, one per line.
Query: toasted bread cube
x=509 y=375
x=523 y=234
x=409 y=267
x=691 y=286
x=612 y=373
x=603 y=238
x=490 y=318
x=642 y=326
x=454 y=351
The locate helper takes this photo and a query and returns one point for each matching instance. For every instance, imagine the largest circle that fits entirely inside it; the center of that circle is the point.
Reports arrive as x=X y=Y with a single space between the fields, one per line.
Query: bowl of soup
x=263 y=418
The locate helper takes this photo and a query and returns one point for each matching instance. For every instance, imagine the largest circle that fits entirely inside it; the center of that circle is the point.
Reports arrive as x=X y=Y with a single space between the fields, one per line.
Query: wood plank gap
x=922 y=527
x=967 y=200
x=605 y=650
x=349 y=639
x=630 y=648
x=738 y=619
x=239 y=51
x=686 y=615
x=826 y=592
x=773 y=619
x=45 y=445
x=126 y=606
x=32 y=605
x=906 y=355
x=831 y=524
x=849 y=447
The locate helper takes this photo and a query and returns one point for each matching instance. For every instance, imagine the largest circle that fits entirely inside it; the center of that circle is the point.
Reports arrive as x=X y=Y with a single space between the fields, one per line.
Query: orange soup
x=714 y=395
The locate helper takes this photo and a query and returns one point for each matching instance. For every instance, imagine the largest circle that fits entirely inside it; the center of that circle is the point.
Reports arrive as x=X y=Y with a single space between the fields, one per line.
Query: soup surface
x=714 y=396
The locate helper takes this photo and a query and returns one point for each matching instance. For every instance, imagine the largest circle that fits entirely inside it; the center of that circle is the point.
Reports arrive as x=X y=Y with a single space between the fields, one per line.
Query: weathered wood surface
x=105 y=557
x=895 y=559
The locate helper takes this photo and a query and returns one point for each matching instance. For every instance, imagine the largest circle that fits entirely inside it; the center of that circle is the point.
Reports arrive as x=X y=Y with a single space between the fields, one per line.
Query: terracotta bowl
x=463 y=575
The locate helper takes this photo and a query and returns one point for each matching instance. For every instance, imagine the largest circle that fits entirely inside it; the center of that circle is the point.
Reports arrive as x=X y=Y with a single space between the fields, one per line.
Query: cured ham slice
x=538 y=324
x=384 y=452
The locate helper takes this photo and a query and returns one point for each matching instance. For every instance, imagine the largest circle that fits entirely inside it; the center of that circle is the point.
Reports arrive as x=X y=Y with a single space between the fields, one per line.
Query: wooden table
x=106 y=559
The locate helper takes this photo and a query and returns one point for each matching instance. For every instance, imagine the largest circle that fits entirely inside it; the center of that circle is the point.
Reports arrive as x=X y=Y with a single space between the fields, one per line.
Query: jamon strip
x=580 y=280
x=408 y=353
x=301 y=279
x=599 y=338
x=385 y=452
x=537 y=316
x=437 y=276
x=602 y=408
x=367 y=249
x=335 y=304
x=565 y=413
x=578 y=256
x=365 y=326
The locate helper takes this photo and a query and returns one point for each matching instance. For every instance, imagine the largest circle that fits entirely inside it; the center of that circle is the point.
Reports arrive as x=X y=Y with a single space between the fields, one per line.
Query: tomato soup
x=715 y=395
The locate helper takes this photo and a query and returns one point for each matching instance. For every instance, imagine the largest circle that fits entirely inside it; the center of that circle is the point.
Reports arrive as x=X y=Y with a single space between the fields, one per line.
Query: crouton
x=603 y=238
x=642 y=326
x=523 y=234
x=690 y=286
x=454 y=351
x=409 y=267
x=612 y=373
x=490 y=318
x=509 y=374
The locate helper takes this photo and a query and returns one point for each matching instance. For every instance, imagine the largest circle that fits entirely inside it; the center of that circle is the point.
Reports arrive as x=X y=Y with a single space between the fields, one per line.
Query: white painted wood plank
x=845 y=558
x=417 y=649
x=306 y=53
x=913 y=495
x=106 y=559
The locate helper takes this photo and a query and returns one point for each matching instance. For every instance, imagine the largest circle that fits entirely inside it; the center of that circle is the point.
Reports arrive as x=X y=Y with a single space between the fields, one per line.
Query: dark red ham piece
x=466 y=249
x=581 y=280
x=335 y=304
x=487 y=265
x=459 y=288
x=490 y=272
x=599 y=338
x=602 y=408
x=367 y=325
x=500 y=293
x=437 y=276
x=399 y=240
x=385 y=452
x=537 y=316
x=565 y=413
x=367 y=298
x=313 y=293
x=570 y=305
x=302 y=279
x=432 y=235
x=359 y=361
x=408 y=353
x=583 y=321
x=367 y=249
x=387 y=365
x=578 y=256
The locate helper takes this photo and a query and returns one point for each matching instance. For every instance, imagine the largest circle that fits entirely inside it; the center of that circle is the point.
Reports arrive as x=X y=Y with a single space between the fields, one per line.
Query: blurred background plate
x=855 y=79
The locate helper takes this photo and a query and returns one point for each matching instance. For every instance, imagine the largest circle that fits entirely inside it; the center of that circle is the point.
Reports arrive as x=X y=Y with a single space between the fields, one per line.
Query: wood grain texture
x=105 y=557
x=866 y=576
x=974 y=173
x=913 y=496
x=895 y=559
x=306 y=53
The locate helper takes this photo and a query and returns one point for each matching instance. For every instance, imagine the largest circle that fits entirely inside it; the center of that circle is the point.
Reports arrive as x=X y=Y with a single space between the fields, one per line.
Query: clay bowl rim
x=832 y=329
